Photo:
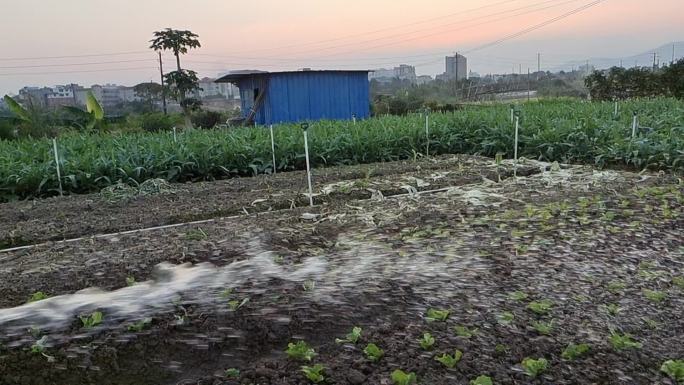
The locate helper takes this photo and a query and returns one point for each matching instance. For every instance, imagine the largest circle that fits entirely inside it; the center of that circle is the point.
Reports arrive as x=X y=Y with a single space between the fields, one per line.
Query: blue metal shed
x=293 y=96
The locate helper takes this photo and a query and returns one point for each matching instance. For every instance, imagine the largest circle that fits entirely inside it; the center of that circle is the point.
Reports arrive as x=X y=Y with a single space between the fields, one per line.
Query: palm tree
x=175 y=40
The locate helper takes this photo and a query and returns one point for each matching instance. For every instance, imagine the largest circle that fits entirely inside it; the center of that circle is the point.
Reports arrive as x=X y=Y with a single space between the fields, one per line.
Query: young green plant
x=450 y=361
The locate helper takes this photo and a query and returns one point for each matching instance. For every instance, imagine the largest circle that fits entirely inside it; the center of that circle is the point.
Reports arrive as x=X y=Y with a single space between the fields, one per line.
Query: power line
x=73 y=56
x=81 y=71
x=379 y=30
x=74 y=64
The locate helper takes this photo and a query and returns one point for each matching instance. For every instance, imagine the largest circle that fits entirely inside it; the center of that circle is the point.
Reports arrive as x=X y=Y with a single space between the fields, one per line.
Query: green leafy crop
x=674 y=369
x=40 y=345
x=427 y=342
x=541 y=307
x=399 y=377
x=437 y=315
x=300 y=351
x=450 y=361
x=314 y=373
x=464 y=332
x=573 y=351
x=505 y=318
x=38 y=296
x=140 y=325
x=654 y=295
x=482 y=380
x=92 y=320
x=232 y=373
x=517 y=296
x=623 y=341
x=544 y=328
x=352 y=337
x=235 y=304
x=373 y=352
x=679 y=282
x=616 y=287
x=533 y=367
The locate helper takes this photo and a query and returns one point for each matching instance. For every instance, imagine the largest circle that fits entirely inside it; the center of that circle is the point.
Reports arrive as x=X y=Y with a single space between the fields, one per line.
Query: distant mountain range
x=645 y=59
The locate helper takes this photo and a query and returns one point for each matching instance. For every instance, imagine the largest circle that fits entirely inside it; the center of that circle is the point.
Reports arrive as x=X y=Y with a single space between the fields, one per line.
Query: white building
x=402 y=72
x=209 y=89
x=456 y=67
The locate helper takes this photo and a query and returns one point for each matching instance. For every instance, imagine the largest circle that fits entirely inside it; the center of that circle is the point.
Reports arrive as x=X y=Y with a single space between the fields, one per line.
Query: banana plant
x=20 y=112
x=92 y=116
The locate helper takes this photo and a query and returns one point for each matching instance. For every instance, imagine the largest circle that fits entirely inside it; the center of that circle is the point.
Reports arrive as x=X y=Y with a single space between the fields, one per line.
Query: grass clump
x=654 y=296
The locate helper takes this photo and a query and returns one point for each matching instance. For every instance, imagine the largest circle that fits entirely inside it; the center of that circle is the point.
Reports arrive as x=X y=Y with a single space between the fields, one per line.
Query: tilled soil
x=41 y=220
x=592 y=243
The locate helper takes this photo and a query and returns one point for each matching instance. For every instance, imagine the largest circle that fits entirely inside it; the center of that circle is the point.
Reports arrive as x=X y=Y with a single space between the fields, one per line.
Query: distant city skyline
x=277 y=35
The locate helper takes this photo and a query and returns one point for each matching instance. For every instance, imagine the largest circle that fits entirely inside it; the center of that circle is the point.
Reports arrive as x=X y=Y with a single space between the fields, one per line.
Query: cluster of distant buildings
x=456 y=68
x=112 y=96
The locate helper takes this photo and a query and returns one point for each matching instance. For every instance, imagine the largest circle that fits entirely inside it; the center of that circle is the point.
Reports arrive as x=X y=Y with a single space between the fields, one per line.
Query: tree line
x=620 y=83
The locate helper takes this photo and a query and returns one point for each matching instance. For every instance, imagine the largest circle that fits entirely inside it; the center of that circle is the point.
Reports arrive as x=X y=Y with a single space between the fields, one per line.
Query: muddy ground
x=605 y=248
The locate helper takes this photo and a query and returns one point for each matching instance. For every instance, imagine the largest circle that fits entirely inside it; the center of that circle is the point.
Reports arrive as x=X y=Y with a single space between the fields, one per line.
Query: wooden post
x=515 y=147
x=59 y=176
x=305 y=127
x=273 y=149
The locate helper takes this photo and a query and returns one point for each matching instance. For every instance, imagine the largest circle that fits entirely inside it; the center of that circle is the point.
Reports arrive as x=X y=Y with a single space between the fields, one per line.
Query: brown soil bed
x=587 y=241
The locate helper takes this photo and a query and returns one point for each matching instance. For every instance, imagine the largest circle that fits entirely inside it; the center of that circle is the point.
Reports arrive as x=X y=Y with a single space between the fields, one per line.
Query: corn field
x=569 y=131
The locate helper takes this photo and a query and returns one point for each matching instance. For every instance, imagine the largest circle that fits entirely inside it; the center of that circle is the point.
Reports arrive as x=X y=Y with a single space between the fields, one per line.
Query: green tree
x=175 y=40
x=149 y=92
x=673 y=79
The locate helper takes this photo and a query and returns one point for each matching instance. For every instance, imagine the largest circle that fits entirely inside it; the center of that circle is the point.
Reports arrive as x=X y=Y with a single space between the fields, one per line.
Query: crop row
x=553 y=130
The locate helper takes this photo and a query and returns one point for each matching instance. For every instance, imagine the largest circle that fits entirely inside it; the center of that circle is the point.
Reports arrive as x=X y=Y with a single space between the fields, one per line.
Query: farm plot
x=562 y=277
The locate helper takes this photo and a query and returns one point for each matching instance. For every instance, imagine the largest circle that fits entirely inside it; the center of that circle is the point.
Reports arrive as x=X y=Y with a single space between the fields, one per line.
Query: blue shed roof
x=236 y=76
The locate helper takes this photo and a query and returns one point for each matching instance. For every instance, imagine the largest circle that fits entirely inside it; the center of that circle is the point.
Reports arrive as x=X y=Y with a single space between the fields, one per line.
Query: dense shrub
x=206 y=119
x=157 y=121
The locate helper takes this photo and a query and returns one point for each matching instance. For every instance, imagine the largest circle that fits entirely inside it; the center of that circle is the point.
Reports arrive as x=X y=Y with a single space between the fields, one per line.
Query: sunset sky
x=333 y=34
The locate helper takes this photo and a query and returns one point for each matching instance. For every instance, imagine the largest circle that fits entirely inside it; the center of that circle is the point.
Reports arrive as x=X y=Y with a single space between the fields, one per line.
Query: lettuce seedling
x=314 y=373
x=39 y=346
x=300 y=351
x=517 y=296
x=232 y=373
x=437 y=315
x=533 y=367
x=235 y=304
x=612 y=309
x=92 y=320
x=427 y=342
x=140 y=325
x=399 y=377
x=540 y=307
x=450 y=361
x=373 y=352
x=623 y=341
x=482 y=380
x=505 y=318
x=542 y=327
x=464 y=332
x=130 y=281
x=674 y=369
x=573 y=351
x=654 y=295
x=616 y=287
x=352 y=337
x=37 y=296
x=679 y=282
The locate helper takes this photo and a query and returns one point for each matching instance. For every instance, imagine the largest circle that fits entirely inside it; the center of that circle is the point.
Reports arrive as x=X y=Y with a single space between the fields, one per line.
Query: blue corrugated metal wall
x=307 y=95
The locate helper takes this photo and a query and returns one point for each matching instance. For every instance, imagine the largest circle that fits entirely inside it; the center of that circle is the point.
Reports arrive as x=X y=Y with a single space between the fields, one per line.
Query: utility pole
x=528 y=84
x=620 y=63
x=673 y=54
x=520 y=69
x=655 y=57
x=538 y=65
x=163 y=90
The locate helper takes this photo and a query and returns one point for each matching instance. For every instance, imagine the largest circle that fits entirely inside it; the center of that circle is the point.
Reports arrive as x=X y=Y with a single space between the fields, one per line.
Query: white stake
x=175 y=140
x=273 y=149
x=427 y=135
x=515 y=147
x=305 y=127
x=635 y=124
x=616 y=109
x=59 y=176
x=512 y=113
x=354 y=118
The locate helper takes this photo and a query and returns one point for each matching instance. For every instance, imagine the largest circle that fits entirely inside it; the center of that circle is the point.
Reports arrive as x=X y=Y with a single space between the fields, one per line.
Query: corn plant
x=300 y=351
